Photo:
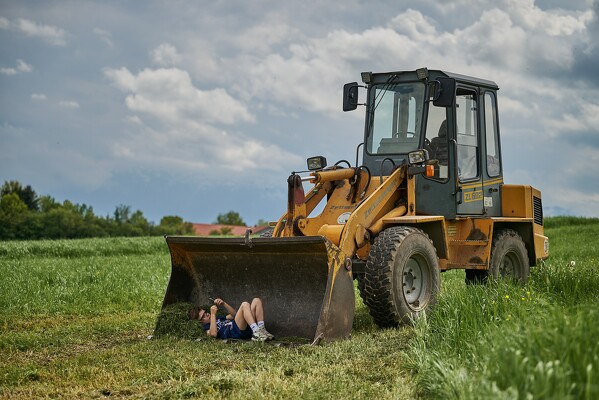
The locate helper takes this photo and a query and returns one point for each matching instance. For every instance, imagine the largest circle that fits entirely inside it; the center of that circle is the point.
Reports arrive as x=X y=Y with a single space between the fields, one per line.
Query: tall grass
x=507 y=341
x=563 y=221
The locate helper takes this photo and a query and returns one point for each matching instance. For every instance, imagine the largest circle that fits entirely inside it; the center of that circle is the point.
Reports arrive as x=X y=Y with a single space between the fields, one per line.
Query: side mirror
x=350 y=96
x=444 y=89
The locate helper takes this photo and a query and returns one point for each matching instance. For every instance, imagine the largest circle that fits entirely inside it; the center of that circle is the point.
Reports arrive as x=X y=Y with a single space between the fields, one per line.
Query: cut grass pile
x=174 y=321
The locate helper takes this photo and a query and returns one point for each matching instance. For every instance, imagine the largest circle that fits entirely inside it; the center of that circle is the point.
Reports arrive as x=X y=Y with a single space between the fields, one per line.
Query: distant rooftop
x=207 y=229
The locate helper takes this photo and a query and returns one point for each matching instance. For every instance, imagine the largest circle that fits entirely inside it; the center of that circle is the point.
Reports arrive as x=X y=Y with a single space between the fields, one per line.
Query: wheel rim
x=413 y=281
x=509 y=265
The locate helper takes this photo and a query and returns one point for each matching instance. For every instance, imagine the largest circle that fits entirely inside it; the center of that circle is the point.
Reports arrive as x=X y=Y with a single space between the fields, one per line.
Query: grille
x=538 y=210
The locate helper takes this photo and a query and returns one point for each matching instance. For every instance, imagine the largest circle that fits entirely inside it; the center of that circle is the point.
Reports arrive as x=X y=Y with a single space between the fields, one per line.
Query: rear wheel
x=401 y=277
x=360 y=280
x=509 y=258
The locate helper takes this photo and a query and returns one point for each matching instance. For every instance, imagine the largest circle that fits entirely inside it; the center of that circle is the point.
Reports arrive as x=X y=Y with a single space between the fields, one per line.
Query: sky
x=196 y=108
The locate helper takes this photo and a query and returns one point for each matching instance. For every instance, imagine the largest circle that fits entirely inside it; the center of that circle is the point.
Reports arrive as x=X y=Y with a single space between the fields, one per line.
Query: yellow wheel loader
x=427 y=197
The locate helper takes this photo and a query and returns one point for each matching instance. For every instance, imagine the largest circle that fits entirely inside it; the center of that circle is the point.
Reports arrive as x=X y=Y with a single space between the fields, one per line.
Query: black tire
x=509 y=258
x=402 y=276
x=360 y=280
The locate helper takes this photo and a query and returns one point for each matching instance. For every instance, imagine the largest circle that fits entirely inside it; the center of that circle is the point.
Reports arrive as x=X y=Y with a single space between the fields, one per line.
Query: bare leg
x=258 y=312
x=257 y=309
x=244 y=316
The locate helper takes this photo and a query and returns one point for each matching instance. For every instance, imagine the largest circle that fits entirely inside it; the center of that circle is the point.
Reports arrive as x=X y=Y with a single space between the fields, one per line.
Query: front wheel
x=402 y=276
x=509 y=258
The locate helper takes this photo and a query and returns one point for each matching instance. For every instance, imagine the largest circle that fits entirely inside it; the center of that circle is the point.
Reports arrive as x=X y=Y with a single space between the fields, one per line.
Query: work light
x=418 y=156
x=315 y=163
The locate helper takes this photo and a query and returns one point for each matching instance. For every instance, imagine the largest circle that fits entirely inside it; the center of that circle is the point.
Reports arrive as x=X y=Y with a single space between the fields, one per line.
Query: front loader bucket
x=305 y=286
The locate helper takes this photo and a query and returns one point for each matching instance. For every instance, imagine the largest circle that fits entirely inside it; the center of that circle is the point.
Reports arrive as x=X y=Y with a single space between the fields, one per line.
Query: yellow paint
x=476 y=195
x=484 y=184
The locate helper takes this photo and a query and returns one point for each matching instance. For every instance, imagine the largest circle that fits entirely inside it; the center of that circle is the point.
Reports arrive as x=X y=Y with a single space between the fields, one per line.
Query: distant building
x=235 y=230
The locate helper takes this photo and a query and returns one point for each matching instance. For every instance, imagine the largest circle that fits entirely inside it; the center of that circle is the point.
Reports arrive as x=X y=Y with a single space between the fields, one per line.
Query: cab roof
x=380 y=77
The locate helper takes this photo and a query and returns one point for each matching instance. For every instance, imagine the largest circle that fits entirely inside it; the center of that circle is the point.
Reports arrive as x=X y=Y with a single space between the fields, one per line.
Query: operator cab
x=454 y=118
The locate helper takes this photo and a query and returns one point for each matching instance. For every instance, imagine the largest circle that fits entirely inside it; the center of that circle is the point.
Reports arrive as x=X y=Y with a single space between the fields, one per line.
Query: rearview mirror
x=444 y=92
x=350 y=96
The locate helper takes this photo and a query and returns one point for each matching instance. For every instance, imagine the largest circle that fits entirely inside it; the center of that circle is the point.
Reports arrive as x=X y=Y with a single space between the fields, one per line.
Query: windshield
x=396 y=118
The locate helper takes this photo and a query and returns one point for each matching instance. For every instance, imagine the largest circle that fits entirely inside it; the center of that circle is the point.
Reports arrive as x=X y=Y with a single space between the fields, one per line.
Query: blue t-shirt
x=222 y=324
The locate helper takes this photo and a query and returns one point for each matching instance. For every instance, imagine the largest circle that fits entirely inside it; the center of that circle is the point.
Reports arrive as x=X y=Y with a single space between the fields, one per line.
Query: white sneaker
x=259 y=336
x=269 y=335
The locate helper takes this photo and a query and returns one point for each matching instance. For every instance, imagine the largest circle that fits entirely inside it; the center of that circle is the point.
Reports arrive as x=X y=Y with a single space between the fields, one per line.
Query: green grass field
x=75 y=316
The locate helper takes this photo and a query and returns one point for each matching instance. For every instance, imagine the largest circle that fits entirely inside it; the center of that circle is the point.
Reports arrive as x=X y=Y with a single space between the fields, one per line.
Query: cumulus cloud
x=181 y=126
x=105 y=36
x=8 y=71
x=51 y=34
x=69 y=104
x=169 y=95
x=202 y=150
x=39 y=96
x=22 y=67
x=515 y=41
x=273 y=30
x=586 y=120
x=4 y=23
x=413 y=24
x=529 y=51
x=166 y=55
x=554 y=23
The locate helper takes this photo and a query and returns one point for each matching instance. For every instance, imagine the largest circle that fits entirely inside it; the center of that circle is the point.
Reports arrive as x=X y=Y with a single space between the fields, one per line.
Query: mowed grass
x=75 y=316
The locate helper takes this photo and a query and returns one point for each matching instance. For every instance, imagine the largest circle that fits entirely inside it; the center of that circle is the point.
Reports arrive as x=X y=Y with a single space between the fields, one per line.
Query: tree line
x=24 y=216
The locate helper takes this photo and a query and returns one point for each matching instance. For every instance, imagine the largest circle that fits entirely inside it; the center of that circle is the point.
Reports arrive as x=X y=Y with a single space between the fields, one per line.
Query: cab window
x=491 y=135
x=437 y=140
x=467 y=134
x=396 y=118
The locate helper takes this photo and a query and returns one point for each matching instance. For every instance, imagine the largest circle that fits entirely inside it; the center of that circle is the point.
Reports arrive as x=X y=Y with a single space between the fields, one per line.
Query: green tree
x=261 y=222
x=63 y=223
x=121 y=213
x=174 y=225
x=26 y=194
x=13 y=213
x=230 y=218
x=225 y=230
x=47 y=203
x=12 y=204
x=140 y=223
x=24 y=215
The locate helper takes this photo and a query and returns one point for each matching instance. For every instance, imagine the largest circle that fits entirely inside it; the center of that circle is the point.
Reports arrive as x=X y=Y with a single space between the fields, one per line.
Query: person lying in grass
x=245 y=323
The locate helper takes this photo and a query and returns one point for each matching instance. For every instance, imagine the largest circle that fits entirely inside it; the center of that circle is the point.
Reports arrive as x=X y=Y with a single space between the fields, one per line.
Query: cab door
x=469 y=195
x=491 y=162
